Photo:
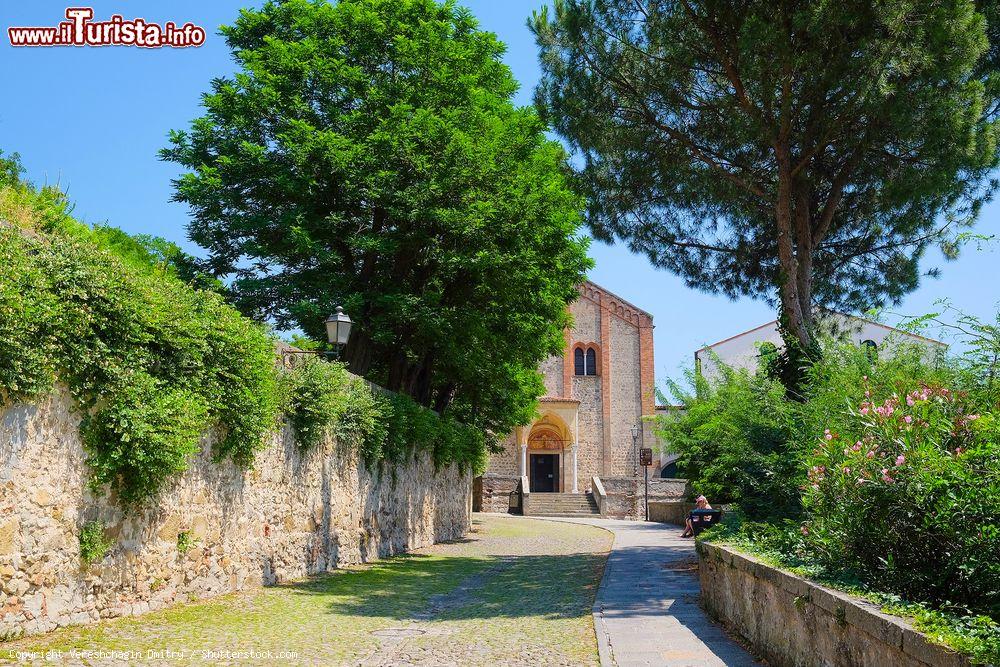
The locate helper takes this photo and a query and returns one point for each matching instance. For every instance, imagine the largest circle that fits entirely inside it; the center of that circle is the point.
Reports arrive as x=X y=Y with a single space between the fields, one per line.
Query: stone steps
x=562 y=504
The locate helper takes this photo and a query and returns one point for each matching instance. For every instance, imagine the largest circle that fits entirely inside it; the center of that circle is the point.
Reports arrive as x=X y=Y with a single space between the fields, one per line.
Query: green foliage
x=807 y=153
x=154 y=364
x=322 y=399
x=367 y=154
x=151 y=362
x=185 y=542
x=93 y=545
x=734 y=437
x=904 y=488
x=901 y=496
x=980 y=349
x=142 y=436
x=317 y=400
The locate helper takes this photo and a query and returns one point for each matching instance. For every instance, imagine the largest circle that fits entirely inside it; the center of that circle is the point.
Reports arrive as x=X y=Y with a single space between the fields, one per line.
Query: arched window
x=871 y=349
x=585 y=360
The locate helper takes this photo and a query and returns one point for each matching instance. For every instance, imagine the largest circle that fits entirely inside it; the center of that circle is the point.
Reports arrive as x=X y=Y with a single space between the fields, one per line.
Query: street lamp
x=338 y=329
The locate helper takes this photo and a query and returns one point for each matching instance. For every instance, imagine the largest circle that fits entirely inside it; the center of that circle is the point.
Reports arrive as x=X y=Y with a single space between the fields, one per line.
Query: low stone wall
x=669 y=511
x=624 y=497
x=790 y=621
x=495 y=493
x=674 y=489
x=295 y=514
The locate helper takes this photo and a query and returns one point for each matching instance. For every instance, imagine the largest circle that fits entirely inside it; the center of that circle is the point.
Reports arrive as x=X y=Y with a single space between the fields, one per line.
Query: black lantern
x=338 y=329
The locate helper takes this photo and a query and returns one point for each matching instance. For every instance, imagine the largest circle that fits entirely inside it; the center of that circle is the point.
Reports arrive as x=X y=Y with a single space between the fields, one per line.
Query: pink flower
x=857 y=446
x=900 y=460
x=972 y=418
x=908 y=419
x=864 y=411
x=870 y=454
x=804 y=529
x=886 y=477
x=847 y=471
x=828 y=436
x=958 y=451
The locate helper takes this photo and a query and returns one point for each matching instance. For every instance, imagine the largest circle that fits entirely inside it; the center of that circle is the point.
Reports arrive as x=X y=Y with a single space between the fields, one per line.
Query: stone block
x=10 y=536
x=927 y=652
x=170 y=528
x=199 y=528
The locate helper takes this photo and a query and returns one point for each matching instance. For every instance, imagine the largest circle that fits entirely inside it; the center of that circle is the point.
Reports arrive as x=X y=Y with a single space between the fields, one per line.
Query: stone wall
x=790 y=621
x=624 y=497
x=673 y=488
x=669 y=511
x=495 y=493
x=295 y=514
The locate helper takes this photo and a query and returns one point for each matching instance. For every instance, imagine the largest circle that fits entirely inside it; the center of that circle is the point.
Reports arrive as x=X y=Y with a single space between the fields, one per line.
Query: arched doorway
x=548 y=440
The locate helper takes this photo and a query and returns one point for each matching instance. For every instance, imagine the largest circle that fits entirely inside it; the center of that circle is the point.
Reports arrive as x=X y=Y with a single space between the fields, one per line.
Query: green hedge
x=153 y=363
x=323 y=398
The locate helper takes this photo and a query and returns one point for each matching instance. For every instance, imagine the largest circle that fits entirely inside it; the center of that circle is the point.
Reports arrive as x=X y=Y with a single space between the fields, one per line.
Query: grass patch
x=512 y=588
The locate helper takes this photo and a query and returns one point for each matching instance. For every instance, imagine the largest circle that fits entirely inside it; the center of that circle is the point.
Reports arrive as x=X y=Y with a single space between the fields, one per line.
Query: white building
x=744 y=350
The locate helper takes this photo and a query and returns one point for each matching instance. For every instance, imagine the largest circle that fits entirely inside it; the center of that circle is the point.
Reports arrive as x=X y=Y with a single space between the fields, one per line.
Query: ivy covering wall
x=154 y=363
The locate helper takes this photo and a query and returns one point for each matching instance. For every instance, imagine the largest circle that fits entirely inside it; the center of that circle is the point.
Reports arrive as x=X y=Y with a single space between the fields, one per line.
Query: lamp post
x=635 y=450
x=338 y=329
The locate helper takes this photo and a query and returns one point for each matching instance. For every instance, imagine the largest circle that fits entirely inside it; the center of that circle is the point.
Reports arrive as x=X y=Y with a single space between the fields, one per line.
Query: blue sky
x=92 y=120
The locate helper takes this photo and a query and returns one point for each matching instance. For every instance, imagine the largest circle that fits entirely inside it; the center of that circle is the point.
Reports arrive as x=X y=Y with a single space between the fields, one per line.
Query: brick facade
x=596 y=412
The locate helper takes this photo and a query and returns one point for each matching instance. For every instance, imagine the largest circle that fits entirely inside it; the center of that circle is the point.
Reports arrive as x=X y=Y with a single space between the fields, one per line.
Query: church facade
x=597 y=391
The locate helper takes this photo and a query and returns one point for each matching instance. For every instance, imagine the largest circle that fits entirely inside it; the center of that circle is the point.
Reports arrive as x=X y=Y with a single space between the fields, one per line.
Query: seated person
x=701 y=503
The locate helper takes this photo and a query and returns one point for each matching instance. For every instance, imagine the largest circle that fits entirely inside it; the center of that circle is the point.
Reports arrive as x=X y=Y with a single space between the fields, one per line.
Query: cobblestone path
x=515 y=592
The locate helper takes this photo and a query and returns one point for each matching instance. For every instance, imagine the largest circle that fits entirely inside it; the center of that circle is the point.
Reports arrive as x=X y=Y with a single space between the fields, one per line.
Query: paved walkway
x=647 y=612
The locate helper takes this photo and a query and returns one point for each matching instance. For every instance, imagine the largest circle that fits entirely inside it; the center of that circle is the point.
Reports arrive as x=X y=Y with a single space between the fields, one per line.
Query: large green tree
x=804 y=152
x=367 y=153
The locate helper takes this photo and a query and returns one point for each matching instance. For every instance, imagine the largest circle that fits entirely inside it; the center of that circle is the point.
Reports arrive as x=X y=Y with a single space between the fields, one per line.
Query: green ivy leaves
x=155 y=365
x=323 y=399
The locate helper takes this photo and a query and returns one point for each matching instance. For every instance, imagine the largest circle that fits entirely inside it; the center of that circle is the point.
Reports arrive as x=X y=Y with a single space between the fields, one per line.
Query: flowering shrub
x=904 y=490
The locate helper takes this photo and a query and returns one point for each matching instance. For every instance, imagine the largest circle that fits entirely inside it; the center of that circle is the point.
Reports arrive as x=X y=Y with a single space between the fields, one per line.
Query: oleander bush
x=904 y=487
x=895 y=464
x=155 y=359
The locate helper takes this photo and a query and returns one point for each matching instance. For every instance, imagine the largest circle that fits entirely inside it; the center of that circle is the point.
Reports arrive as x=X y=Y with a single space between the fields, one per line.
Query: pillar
x=524 y=459
x=576 y=489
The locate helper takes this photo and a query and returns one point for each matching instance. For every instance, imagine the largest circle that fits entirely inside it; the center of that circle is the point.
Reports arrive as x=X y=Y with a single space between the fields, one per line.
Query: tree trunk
x=796 y=312
x=358 y=352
